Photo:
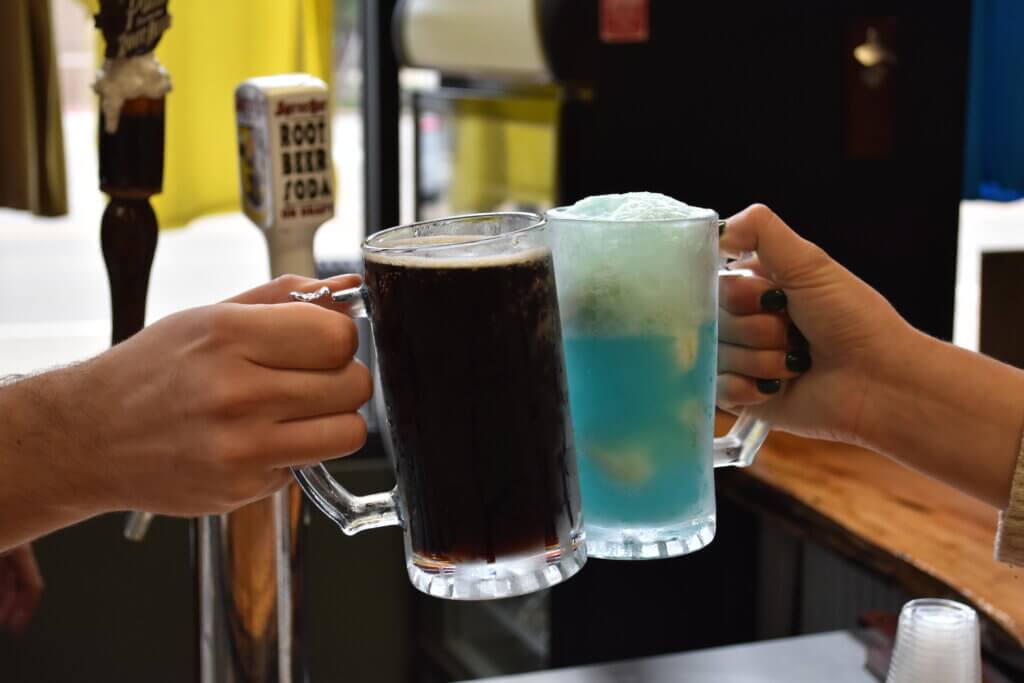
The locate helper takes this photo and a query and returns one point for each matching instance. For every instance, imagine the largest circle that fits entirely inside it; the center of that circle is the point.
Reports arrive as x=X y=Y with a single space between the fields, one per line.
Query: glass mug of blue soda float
x=637 y=278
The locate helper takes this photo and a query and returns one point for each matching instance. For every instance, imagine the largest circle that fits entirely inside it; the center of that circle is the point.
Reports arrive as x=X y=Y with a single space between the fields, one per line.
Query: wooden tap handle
x=128 y=236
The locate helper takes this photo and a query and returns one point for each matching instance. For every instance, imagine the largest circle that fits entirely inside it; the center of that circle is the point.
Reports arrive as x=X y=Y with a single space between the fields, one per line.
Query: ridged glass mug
x=639 y=310
x=464 y=315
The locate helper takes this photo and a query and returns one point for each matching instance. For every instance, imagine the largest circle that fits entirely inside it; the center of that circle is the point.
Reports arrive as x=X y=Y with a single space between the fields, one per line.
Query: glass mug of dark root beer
x=464 y=315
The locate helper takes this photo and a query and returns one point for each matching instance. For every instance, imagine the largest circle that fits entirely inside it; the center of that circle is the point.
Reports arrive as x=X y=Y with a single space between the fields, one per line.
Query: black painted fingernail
x=794 y=336
x=773 y=300
x=721 y=228
x=769 y=386
x=798 y=361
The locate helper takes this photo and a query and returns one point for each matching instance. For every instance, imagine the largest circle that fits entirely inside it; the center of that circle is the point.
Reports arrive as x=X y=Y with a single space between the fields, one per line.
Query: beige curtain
x=31 y=140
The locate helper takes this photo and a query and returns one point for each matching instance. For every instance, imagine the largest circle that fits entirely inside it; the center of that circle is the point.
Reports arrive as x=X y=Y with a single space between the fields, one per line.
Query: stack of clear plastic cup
x=938 y=642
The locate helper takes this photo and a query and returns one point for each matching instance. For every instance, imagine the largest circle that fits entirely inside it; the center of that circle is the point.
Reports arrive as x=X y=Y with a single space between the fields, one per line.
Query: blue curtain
x=994 y=157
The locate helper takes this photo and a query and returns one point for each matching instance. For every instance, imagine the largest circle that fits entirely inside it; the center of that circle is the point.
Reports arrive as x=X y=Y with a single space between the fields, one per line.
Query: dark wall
x=115 y=611
x=743 y=101
x=747 y=101
x=111 y=610
x=616 y=610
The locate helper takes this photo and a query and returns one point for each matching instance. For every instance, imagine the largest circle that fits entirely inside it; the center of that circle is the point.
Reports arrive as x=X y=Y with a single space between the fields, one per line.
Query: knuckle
x=731 y=293
x=224 y=503
x=736 y=390
x=346 y=336
x=226 y=398
x=289 y=282
x=279 y=479
x=217 y=326
x=362 y=381
x=353 y=435
x=237 y=491
x=761 y=213
x=755 y=330
x=726 y=390
x=222 y=449
x=766 y=364
x=768 y=331
x=338 y=335
x=251 y=485
x=747 y=393
x=816 y=255
x=759 y=364
x=811 y=261
x=725 y=291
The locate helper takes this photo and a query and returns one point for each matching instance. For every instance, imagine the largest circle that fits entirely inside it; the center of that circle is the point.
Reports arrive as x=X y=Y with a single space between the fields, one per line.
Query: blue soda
x=642 y=409
x=638 y=300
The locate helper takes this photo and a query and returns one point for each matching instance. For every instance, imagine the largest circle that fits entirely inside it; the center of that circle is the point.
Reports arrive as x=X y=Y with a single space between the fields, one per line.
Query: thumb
x=787 y=257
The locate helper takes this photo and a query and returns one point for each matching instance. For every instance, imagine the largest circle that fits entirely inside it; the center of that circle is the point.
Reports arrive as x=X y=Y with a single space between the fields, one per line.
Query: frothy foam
x=123 y=79
x=460 y=255
x=636 y=263
x=632 y=206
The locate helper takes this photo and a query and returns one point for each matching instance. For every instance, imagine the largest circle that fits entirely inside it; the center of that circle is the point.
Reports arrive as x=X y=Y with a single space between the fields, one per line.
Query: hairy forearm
x=43 y=485
x=950 y=413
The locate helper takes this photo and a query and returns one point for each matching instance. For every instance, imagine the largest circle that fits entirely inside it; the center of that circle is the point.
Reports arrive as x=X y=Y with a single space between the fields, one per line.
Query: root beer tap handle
x=132 y=86
x=284 y=161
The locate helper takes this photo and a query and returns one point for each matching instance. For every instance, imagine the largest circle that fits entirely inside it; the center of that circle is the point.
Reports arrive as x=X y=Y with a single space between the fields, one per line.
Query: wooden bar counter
x=919 y=533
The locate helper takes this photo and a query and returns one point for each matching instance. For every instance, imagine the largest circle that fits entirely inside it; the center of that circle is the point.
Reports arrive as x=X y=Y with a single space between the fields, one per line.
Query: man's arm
x=199 y=413
x=41 y=485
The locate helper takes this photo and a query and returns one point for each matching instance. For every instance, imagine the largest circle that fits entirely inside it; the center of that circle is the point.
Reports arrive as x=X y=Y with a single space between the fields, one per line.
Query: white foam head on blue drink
x=636 y=263
x=632 y=206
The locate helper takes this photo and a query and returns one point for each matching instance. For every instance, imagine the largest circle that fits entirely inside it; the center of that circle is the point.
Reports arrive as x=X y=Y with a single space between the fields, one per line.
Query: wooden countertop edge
x=800 y=517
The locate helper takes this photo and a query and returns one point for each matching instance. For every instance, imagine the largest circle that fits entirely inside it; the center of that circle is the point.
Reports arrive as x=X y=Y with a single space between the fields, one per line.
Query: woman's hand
x=803 y=321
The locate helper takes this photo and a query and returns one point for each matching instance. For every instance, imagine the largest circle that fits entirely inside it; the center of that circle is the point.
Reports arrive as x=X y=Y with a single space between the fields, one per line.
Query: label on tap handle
x=284 y=150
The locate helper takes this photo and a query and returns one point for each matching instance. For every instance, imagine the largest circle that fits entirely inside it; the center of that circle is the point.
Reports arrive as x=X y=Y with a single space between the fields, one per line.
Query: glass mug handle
x=352 y=513
x=739 y=446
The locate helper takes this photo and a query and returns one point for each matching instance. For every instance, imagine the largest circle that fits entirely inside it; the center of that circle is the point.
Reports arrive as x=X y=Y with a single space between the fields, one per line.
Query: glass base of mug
x=623 y=543
x=509 y=577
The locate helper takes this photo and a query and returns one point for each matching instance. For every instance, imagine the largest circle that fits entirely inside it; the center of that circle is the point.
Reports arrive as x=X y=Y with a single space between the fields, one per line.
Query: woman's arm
x=950 y=413
x=871 y=379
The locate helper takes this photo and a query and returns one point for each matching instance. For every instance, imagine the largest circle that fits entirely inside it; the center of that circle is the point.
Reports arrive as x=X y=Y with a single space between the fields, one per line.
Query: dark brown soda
x=474 y=381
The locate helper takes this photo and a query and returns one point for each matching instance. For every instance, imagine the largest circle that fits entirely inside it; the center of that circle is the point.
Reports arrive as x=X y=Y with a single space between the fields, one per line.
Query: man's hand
x=21 y=585
x=206 y=410
x=198 y=413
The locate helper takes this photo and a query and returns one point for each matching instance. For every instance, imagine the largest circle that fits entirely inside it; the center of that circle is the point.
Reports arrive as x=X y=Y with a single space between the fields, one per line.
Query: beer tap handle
x=291 y=249
x=132 y=86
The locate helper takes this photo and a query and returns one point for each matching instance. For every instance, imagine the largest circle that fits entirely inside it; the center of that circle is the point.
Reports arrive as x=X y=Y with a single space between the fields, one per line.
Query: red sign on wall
x=625 y=21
